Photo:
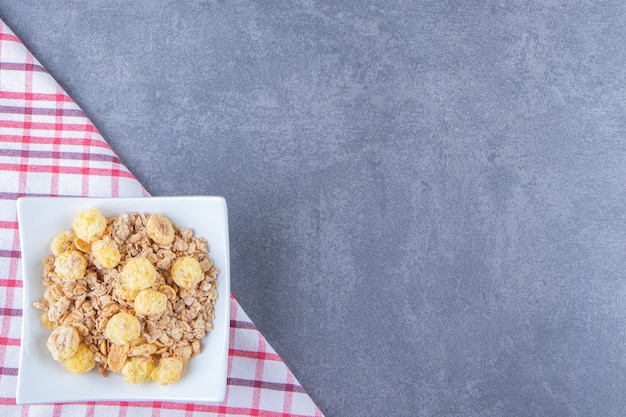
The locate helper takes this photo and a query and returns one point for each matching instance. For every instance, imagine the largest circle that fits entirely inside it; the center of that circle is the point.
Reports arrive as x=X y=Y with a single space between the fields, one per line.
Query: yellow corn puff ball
x=89 y=225
x=70 y=265
x=106 y=252
x=137 y=370
x=160 y=229
x=58 y=243
x=82 y=361
x=168 y=371
x=63 y=342
x=187 y=272
x=150 y=303
x=122 y=328
x=138 y=273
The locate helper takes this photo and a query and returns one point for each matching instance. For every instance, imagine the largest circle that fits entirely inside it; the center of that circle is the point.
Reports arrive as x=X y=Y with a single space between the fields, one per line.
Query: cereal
x=116 y=357
x=122 y=328
x=150 y=303
x=168 y=371
x=82 y=361
x=63 y=342
x=89 y=225
x=106 y=252
x=128 y=293
x=187 y=272
x=81 y=245
x=138 y=273
x=160 y=229
x=70 y=265
x=145 y=349
x=60 y=241
x=137 y=370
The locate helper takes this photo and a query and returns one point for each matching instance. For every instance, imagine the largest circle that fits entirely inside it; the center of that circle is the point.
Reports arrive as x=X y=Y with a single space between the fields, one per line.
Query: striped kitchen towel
x=48 y=147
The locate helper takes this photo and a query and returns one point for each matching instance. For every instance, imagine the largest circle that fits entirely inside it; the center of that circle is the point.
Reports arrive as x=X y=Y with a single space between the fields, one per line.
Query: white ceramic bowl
x=43 y=380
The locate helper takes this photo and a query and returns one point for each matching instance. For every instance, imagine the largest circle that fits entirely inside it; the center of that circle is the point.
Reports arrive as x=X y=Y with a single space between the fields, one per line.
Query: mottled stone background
x=426 y=198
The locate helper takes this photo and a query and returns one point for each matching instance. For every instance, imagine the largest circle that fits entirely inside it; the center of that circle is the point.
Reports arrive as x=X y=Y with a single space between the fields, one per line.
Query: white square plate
x=44 y=380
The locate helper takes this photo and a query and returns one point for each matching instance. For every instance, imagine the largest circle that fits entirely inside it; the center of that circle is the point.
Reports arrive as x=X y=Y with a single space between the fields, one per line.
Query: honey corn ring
x=122 y=328
x=138 y=273
x=168 y=371
x=89 y=225
x=82 y=361
x=70 y=265
x=137 y=370
x=150 y=303
x=63 y=342
x=106 y=252
x=187 y=272
x=57 y=246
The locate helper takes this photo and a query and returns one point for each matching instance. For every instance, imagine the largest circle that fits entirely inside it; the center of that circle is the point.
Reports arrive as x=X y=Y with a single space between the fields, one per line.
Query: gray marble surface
x=426 y=198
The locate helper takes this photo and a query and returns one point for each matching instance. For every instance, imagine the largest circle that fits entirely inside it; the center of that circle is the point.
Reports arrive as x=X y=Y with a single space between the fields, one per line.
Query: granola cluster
x=133 y=294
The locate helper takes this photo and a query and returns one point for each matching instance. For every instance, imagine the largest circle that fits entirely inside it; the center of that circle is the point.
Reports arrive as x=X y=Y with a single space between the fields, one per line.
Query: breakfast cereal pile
x=133 y=294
